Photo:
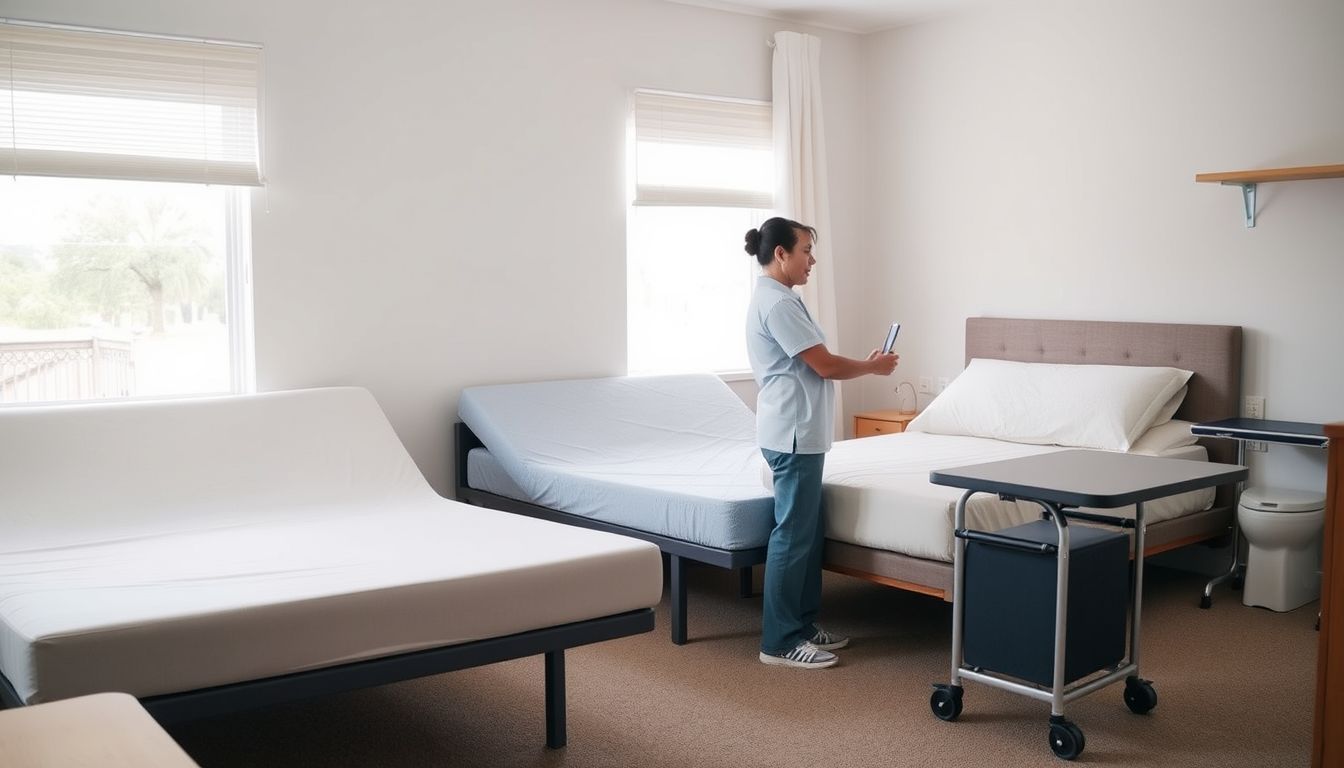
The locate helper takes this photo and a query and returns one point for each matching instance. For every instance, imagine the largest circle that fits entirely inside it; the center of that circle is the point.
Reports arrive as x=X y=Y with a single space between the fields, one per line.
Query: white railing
x=78 y=367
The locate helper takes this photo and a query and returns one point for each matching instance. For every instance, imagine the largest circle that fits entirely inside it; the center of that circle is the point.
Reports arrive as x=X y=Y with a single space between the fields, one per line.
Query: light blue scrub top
x=795 y=409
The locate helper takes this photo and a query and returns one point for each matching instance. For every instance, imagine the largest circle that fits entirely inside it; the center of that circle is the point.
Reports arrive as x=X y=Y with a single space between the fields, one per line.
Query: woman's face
x=795 y=265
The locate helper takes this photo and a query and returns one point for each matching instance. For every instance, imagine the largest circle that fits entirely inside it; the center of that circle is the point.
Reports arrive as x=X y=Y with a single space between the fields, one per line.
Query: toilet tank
x=1282 y=500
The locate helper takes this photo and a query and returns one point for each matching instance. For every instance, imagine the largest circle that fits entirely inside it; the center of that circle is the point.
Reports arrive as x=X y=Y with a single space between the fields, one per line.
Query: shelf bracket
x=1247 y=199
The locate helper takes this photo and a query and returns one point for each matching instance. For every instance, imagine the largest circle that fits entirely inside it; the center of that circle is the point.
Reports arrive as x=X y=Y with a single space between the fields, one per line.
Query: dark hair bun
x=753 y=246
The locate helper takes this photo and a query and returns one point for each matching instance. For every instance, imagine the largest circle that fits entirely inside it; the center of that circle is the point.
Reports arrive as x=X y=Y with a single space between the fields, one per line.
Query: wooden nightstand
x=871 y=423
x=109 y=730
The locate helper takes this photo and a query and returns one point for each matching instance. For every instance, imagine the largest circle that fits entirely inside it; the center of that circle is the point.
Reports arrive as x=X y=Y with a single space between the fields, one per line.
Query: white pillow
x=1083 y=406
x=1173 y=405
x=1161 y=439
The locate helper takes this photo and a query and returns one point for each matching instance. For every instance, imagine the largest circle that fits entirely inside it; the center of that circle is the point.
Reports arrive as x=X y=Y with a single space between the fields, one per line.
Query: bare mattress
x=265 y=551
x=670 y=455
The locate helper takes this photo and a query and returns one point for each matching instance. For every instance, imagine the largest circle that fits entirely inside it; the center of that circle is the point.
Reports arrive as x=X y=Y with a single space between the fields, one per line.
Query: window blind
x=96 y=104
x=692 y=150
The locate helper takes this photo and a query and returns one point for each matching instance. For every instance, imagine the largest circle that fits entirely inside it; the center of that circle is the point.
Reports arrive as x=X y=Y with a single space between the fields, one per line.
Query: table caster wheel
x=1139 y=695
x=946 y=702
x=1066 y=739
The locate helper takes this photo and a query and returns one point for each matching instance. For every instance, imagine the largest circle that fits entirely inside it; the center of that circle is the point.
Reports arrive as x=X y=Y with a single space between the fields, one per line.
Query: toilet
x=1283 y=535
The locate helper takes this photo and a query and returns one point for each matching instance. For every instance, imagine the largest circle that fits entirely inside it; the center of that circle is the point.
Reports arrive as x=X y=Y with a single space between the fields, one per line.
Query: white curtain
x=800 y=171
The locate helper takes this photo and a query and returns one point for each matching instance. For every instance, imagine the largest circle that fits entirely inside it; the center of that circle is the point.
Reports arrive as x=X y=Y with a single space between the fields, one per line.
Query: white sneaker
x=804 y=656
x=828 y=641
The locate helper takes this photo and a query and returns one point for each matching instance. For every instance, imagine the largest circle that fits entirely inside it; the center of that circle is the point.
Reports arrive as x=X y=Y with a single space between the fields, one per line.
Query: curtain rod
x=150 y=35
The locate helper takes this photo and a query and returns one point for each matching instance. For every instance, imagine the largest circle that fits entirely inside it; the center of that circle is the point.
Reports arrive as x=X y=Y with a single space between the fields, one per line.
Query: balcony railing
x=76 y=366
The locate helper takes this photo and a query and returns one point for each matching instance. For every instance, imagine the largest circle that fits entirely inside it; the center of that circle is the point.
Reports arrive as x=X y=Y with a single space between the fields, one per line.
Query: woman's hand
x=829 y=366
x=881 y=363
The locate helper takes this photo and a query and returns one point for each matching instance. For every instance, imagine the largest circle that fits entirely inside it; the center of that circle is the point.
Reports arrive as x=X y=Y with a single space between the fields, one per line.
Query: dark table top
x=1081 y=478
x=1265 y=431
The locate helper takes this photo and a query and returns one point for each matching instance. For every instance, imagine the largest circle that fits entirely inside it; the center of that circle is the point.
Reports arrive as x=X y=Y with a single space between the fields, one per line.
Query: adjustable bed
x=211 y=554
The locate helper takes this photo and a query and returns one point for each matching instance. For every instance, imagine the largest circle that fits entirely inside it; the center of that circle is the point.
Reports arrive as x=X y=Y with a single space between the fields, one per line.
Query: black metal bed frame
x=678 y=552
x=551 y=641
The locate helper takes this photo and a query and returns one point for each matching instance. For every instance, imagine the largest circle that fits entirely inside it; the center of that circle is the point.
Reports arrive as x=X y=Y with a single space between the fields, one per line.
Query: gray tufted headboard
x=1213 y=352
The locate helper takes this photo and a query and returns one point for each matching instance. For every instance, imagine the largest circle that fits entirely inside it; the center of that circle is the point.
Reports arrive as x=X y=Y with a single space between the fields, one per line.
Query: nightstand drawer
x=869 y=427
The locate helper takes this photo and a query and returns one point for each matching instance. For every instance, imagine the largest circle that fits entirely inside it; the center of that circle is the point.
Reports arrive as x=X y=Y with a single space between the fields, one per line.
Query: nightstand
x=871 y=423
x=104 y=729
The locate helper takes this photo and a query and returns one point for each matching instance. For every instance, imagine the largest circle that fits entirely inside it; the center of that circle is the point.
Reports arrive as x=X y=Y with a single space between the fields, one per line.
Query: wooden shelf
x=1248 y=179
x=1301 y=173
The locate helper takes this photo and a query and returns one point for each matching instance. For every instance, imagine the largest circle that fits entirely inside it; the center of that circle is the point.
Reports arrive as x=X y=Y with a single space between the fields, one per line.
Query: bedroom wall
x=1037 y=160
x=446 y=203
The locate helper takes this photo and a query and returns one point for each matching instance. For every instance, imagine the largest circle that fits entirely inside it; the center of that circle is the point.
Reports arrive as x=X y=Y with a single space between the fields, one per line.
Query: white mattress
x=153 y=548
x=878 y=493
x=671 y=455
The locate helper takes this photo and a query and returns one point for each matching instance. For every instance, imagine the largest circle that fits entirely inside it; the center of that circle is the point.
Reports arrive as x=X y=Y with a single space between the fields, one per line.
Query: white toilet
x=1283 y=535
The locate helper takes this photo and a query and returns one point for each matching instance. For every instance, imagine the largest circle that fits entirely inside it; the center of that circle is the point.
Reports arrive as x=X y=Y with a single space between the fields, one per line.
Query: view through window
x=703 y=173
x=119 y=288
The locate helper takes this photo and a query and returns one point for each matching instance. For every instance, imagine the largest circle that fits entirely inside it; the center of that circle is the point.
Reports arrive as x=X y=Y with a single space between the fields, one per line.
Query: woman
x=794 y=424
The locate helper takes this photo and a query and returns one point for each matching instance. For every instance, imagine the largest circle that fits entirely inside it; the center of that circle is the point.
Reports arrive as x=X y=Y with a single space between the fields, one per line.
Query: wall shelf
x=1248 y=179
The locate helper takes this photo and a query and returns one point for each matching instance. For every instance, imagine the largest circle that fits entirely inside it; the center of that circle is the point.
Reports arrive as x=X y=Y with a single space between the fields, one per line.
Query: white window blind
x=699 y=151
x=95 y=104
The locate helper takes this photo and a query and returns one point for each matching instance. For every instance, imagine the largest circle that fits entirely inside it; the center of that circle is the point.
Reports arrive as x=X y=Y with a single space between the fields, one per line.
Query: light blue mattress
x=670 y=455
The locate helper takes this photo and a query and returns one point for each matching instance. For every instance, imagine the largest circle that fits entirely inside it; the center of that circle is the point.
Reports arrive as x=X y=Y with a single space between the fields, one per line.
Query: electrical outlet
x=942 y=384
x=925 y=385
x=1256 y=445
x=1253 y=406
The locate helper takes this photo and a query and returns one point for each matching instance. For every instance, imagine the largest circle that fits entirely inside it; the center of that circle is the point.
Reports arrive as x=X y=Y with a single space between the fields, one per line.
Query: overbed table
x=1060 y=483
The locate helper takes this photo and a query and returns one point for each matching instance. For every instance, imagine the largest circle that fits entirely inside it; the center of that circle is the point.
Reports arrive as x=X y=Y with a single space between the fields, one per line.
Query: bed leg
x=744 y=581
x=555 y=699
x=678 y=598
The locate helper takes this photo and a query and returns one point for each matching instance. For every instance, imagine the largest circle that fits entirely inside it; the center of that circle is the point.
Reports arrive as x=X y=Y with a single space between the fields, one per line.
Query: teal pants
x=793 y=556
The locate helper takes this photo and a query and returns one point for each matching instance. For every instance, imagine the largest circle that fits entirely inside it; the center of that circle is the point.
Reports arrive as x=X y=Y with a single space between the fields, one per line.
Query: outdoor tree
x=26 y=296
x=138 y=254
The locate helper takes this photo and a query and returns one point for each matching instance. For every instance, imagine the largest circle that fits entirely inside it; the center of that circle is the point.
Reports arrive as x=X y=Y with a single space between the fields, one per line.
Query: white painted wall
x=1037 y=160
x=446 y=200
x=447 y=193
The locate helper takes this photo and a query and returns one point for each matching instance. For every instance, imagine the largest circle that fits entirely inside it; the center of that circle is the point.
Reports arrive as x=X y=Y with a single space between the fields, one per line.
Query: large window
x=124 y=236
x=703 y=174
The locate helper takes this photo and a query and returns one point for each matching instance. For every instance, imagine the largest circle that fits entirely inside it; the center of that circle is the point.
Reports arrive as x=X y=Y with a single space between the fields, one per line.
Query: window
x=703 y=173
x=124 y=236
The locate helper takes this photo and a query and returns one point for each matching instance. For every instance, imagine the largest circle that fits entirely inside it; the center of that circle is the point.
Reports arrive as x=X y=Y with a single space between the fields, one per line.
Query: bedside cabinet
x=108 y=730
x=871 y=423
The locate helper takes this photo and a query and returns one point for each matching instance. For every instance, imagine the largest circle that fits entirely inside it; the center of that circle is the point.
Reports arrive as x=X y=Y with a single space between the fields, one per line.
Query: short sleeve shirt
x=795 y=408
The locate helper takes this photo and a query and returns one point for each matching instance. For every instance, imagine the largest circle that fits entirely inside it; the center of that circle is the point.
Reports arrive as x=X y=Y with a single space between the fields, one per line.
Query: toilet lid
x=1282 y=500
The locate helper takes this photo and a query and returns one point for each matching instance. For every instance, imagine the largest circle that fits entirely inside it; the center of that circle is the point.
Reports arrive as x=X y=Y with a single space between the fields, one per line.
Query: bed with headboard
x=673 y=460
x=1211 y=352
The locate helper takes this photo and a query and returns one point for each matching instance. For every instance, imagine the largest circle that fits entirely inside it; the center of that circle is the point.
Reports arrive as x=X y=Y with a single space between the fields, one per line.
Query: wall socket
x=1253 y=407
x=925 y=385
x=942 y=384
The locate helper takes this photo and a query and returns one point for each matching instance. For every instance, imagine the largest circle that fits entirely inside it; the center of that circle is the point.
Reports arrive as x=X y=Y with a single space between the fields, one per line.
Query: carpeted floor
x=1235 y=687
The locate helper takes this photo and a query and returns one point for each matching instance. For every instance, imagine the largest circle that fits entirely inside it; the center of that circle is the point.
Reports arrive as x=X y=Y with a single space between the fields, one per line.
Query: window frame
x=84 y=60
x=675 y=200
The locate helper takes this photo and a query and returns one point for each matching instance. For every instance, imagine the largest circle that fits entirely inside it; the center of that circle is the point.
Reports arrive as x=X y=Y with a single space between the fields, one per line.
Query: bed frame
x=679 y=553
x=1212 y=352
x=550 y=641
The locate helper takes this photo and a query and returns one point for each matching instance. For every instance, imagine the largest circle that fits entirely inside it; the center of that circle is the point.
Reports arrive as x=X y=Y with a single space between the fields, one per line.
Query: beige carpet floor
x=1235 y=688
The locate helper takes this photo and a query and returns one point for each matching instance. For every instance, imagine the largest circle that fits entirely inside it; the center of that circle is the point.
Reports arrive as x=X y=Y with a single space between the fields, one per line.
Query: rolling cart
x=1060 y=483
